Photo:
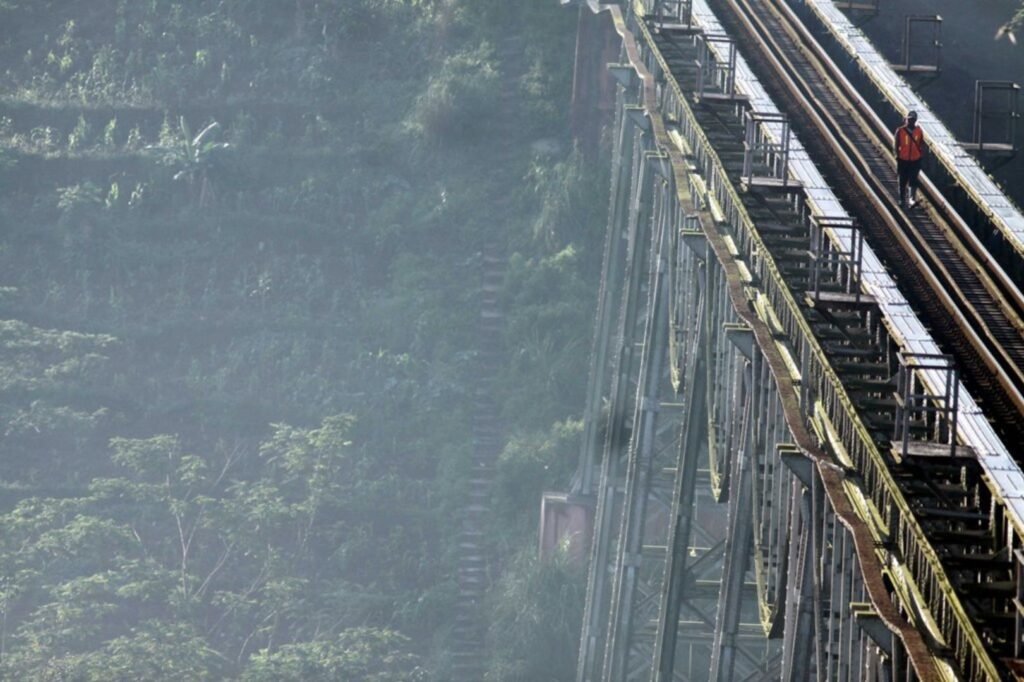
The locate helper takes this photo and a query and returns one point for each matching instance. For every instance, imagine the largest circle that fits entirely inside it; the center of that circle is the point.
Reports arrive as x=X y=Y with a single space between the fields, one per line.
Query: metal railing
x=830 y=400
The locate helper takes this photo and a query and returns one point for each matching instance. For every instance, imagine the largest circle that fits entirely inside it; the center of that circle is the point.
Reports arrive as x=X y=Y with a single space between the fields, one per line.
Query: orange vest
x=909 y=143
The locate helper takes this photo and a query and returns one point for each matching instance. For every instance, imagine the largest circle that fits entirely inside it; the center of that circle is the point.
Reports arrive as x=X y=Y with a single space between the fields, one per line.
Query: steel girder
x=642 y=537
x=631 y=206
x=668 y=582
x=612 y=273
x=690 y=357
x=652 y=527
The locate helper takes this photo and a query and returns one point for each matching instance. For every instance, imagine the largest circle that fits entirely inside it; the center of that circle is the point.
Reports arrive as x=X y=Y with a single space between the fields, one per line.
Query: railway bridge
x=804 y=424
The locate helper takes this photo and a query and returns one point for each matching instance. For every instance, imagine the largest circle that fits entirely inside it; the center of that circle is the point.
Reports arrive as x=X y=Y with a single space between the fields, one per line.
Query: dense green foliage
x=240 y=243
x=536 y=618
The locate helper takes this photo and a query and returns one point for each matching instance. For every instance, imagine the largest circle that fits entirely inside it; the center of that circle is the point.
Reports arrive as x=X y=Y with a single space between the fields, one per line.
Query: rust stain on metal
x=920 y=656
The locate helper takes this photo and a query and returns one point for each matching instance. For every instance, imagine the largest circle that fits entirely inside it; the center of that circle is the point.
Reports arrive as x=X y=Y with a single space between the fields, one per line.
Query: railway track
x=934 y=530
x=972 y=306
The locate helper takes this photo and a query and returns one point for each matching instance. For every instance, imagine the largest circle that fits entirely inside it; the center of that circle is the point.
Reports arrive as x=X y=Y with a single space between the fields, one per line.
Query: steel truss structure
x=734 y=480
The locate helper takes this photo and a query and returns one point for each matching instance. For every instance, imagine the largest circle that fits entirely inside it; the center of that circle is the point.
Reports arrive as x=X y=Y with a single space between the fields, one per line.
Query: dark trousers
x=907 y=172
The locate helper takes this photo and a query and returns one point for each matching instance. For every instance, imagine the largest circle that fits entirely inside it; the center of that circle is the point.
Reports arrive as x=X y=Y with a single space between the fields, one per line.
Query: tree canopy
x=241 y=252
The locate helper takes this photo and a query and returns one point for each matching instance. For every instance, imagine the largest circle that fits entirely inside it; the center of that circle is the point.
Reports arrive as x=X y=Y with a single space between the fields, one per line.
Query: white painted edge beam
x=994 y=202
x=973 y=428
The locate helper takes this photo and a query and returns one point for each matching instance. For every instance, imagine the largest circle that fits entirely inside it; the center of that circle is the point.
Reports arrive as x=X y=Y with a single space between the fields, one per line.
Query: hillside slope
x=240 y=246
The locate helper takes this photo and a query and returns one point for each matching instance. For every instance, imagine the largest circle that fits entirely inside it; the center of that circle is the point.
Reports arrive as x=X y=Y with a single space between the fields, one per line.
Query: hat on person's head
x=911 y=115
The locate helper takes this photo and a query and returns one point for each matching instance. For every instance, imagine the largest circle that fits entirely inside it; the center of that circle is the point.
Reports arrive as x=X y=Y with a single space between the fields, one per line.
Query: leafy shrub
x=79 y=201
x=460 y=96
x=547 y=331
x=358 y=654
x=537 y=610
x=530 y=464
x=79 y=136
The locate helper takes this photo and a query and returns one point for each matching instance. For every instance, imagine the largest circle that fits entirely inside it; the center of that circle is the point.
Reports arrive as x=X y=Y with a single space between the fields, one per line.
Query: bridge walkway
x=789 y=342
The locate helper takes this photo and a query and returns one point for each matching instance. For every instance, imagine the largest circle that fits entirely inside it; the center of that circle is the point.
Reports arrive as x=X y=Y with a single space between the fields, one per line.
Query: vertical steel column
x=641 y=456
x=612 y=272
x=722 y=370
x=694 y=432
x=596 y=607
x=798 y=636
x=1018 y=604
x=730 y=599
x=771 y=500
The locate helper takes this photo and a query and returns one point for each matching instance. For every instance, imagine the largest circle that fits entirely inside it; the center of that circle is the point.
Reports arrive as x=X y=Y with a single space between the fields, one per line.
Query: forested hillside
x=240 y=261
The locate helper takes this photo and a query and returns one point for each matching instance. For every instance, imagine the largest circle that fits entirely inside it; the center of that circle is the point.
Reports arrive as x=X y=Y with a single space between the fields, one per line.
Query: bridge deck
x=1007 y=478
x=961 y=165
x=770 y=354
x=1003 y=473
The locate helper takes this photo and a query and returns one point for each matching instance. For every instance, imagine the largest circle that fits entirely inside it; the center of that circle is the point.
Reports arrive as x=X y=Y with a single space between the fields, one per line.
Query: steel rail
x=841 y=416
x=979 y=190
x=784 y=317
x=883 y=490
x=1016 y=521
x=952 y=289
x=852 y=159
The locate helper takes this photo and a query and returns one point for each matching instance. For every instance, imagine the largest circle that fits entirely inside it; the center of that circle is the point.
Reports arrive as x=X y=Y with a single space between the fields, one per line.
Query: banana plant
x=192 y=157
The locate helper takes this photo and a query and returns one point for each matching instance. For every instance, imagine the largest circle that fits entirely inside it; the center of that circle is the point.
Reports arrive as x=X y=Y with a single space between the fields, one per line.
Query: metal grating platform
x=975 y=431
x=943 y=144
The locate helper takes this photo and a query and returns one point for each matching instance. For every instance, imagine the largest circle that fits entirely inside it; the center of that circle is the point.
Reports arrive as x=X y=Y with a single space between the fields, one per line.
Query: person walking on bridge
x=909 y=146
